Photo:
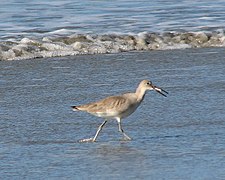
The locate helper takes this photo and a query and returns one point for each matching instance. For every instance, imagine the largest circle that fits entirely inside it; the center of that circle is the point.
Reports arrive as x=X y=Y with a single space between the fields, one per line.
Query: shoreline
x=87 y=44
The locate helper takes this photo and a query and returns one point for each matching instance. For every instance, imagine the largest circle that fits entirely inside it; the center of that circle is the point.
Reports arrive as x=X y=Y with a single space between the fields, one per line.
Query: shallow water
x=178 y=137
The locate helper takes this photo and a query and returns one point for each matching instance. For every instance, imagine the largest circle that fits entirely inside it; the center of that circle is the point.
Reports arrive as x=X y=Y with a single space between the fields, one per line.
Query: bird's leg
x=122 y=131
x=96 y=135
x=99 y=129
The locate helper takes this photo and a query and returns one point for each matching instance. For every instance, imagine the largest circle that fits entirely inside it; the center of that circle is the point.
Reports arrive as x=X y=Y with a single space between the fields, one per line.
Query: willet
x=118 y=107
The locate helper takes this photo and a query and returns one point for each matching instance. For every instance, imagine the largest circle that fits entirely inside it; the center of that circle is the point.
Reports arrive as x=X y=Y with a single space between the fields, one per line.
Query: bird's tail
x=75 y=108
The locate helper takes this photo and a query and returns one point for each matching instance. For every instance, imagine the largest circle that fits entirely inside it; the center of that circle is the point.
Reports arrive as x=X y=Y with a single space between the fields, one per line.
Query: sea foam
x=76 y=44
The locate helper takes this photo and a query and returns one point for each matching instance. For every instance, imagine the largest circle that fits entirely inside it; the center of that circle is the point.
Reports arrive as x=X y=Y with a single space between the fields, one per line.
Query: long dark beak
x=160 y=91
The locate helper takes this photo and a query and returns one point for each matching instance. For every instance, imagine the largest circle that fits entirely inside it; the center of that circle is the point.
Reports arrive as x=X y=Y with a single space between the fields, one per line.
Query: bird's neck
x=140 y=93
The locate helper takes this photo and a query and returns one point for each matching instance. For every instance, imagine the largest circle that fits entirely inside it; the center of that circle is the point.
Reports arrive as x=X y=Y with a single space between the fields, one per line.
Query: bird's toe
x=86 y=140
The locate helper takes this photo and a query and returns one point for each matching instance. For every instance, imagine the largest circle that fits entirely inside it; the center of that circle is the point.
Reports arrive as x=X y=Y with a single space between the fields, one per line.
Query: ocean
x=37 y=29
x=57 y=54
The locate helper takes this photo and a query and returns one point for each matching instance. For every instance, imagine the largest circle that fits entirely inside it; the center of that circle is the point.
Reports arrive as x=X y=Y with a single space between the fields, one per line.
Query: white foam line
x=34 y=85
x=141 y=60
x=212 y=52
x=103 y=84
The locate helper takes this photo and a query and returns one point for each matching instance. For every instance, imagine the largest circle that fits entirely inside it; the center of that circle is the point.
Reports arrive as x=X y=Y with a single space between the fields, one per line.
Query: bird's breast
x=129 y=110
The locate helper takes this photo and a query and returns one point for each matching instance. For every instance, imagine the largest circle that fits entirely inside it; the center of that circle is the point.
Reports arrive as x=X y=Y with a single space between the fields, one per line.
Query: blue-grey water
x=176 y=137
x=38 y=17
x=39 y=28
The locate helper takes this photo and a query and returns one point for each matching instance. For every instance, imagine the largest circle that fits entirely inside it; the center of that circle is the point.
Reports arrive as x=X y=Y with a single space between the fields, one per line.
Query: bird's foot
x=87 y=140
x=126 y=137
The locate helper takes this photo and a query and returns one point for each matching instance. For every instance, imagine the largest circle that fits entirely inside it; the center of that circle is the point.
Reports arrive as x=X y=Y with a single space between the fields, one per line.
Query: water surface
x=25 y=18
x=174 y=138
x=32 y=29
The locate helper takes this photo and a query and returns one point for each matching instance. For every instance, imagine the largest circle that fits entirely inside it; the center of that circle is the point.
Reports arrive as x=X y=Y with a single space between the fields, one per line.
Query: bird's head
x=147 y=85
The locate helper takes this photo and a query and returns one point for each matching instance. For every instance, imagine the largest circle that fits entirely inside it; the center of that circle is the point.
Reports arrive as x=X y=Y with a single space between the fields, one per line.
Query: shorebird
x=118 y=107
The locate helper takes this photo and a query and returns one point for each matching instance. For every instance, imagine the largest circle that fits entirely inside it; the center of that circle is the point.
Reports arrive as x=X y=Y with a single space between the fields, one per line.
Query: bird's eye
x=149 y=83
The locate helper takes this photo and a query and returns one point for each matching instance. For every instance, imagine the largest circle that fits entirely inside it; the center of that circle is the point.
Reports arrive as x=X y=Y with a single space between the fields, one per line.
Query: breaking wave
x=77 y=44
